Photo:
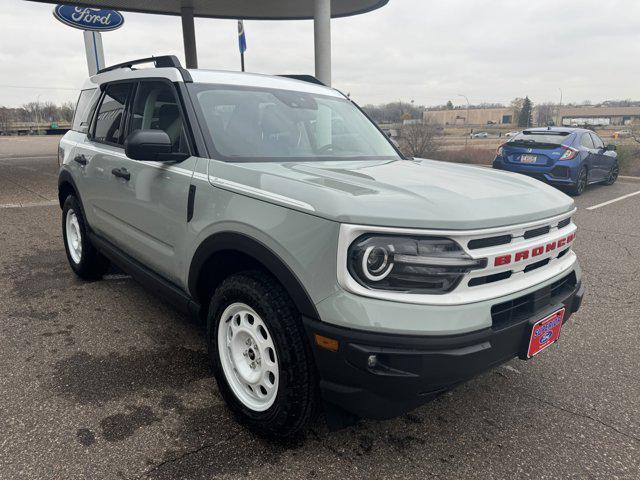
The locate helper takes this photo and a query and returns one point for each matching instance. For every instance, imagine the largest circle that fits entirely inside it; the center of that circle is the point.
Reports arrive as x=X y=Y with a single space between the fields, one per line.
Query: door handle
x=121 y=173
x=81 y=159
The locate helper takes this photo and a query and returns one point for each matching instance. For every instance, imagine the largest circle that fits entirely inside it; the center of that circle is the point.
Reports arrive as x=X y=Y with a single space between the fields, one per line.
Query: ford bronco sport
x=331 y=271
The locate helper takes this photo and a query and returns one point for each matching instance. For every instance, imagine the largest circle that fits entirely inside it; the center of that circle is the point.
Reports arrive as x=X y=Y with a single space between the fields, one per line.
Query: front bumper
x=411 y=370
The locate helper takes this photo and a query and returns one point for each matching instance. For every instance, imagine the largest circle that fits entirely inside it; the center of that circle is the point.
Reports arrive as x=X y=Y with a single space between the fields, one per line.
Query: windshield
x=540 y=138
x=256 y=124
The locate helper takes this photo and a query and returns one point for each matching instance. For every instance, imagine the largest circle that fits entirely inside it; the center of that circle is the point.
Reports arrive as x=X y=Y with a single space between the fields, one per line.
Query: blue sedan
x=565 y=157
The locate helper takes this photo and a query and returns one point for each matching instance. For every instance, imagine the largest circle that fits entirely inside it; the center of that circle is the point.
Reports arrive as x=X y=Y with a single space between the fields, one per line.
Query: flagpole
x=242 y=61
x=242 y=42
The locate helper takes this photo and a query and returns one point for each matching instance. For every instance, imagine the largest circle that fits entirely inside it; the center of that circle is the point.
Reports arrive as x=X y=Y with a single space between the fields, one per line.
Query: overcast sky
x=423 y=50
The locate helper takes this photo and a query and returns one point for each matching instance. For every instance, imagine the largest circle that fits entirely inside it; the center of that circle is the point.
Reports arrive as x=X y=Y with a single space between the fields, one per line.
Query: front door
x=153 y=200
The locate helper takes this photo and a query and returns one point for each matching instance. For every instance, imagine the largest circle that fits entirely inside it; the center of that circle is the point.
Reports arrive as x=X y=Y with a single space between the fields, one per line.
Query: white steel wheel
x=74 y=236
x=248 y=357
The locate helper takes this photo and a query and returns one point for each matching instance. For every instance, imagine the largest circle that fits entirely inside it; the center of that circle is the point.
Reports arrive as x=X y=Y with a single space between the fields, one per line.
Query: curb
x=628 y=178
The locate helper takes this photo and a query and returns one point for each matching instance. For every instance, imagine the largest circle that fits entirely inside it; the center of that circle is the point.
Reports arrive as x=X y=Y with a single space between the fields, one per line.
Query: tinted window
x=586 y=141
x=597 y=141
x=543 y=137
x=108 y=125
x=271 y=124
x=155 y=107
x=85 y=104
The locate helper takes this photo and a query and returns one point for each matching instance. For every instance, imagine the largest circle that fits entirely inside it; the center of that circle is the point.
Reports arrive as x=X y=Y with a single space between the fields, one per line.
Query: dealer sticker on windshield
x=545 y=332
x=528 y=158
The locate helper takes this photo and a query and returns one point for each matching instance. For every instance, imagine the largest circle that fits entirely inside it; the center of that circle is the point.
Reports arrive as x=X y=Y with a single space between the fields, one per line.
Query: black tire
x=581 y=183
x=296 y=400
x=613 y=175
x=91 y=265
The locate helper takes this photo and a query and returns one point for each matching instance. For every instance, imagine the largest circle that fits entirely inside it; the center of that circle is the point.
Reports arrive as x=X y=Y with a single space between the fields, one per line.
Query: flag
x=242 y=40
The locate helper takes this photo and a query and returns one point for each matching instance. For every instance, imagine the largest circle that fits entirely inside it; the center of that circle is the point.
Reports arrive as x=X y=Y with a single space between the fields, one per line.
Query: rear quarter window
x=86 y=102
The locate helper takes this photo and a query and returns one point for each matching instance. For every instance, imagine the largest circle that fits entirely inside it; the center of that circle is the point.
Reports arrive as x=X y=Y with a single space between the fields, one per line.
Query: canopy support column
x=322 y=39
x=189 y=37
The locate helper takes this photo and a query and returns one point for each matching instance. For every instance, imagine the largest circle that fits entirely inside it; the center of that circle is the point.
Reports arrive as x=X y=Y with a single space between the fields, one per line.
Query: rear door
x=604 y=162
x=152 y=203
x=591 y=157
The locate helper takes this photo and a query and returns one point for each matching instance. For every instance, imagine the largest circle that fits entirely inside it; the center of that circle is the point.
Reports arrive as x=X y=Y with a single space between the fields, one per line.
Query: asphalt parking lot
x=103 y=380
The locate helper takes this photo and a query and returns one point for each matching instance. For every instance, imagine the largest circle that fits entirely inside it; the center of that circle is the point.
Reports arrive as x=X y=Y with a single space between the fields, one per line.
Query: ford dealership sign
x=85 y=18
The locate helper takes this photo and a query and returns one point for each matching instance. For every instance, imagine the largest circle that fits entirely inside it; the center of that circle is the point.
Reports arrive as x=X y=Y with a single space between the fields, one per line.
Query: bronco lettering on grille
x=533 y=252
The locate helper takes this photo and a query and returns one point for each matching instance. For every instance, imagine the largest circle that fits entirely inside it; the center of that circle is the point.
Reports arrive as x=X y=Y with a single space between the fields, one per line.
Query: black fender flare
x=65 y=177
x=261 y=253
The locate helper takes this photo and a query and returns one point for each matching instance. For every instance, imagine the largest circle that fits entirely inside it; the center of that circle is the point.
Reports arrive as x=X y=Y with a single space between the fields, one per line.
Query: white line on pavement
x=30 y=204
x=614 y=200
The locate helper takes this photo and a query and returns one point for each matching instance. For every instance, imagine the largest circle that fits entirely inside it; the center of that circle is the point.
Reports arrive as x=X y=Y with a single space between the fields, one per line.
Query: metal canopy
x=236 y=9
x=321 y=11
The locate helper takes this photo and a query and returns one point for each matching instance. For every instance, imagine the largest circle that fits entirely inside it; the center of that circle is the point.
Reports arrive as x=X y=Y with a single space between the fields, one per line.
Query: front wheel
x=613 y=175
x=581 y=183
x=260 y=357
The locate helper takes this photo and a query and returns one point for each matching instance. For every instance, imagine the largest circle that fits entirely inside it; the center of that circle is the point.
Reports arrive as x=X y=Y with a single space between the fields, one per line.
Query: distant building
x=473 y=116
x=599 y=116
x=568 y=116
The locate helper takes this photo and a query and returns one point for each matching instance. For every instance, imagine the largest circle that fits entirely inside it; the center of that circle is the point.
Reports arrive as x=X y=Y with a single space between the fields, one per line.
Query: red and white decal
x=533 y=252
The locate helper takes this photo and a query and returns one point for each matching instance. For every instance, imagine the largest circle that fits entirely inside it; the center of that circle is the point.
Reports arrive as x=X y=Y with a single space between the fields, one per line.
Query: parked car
x=479 y=135
x=622 y=134
x=330 y=270
x=565 y=157
x=511 y=134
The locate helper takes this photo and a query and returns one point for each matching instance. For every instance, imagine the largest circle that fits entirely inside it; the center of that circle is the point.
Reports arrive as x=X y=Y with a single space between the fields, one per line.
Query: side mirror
x=151 y=145
x=610 y=148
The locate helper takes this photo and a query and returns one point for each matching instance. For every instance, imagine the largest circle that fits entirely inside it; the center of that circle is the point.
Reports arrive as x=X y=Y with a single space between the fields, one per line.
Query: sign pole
x=94 y=51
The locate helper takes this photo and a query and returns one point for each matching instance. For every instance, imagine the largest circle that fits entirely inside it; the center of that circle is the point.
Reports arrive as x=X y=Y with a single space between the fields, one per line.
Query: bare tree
x=419 y=139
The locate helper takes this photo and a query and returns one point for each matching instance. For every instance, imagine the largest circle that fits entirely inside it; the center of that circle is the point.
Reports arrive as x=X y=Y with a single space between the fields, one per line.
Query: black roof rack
x=305 y=78
x=159 y=62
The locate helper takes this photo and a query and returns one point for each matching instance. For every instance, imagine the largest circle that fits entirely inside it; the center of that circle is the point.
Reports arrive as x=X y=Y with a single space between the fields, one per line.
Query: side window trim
x=103 y=88
x=597 y=141
x=179 y=101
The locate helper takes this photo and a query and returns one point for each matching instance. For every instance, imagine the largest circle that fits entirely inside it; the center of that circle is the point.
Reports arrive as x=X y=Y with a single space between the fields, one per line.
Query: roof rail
x=159 y=62
x=305 y=78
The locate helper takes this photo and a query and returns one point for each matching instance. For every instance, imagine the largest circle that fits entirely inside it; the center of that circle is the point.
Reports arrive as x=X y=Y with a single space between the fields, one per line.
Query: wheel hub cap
x=248 y=356
x=74 y=237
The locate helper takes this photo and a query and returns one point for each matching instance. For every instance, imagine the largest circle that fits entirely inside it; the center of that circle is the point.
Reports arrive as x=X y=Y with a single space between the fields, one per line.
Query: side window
x=597 y=141
x=86 y=102
x=156 y=107
x=109 y=120
x=586 y=141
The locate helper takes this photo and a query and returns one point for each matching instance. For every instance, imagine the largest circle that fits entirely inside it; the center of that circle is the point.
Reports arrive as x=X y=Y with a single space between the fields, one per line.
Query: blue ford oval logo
x=86 y=18
x=546 y=337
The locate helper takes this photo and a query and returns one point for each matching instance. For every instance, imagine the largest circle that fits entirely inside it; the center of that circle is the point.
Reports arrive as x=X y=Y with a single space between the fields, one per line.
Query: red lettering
x=502 y=260
x=562 y=242
x=571 y=237
x=537 y=251
x=522 y=255
x=551 y=246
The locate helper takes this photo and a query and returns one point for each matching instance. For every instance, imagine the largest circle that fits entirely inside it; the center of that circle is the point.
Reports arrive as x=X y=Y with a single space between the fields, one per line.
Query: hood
x=401 y=193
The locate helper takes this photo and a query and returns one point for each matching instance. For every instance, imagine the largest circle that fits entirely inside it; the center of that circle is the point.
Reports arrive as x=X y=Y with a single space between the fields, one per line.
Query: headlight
x=409 y=264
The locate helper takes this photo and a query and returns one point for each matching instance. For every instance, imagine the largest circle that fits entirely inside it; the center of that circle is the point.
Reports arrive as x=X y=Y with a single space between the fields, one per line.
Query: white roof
x=219 y=77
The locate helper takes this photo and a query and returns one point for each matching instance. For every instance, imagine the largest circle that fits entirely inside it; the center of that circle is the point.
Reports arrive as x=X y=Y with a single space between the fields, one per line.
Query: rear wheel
x=581 y=183
x=613 y=175
x=260 y=357
x=84 y=259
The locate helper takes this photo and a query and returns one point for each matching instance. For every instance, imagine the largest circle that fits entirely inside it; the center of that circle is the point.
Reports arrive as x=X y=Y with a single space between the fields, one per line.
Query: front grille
x=536 y=232
x=489 y=242
x=539 y=264
x=496 y=277
x=564 y=223
x=507 y=313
